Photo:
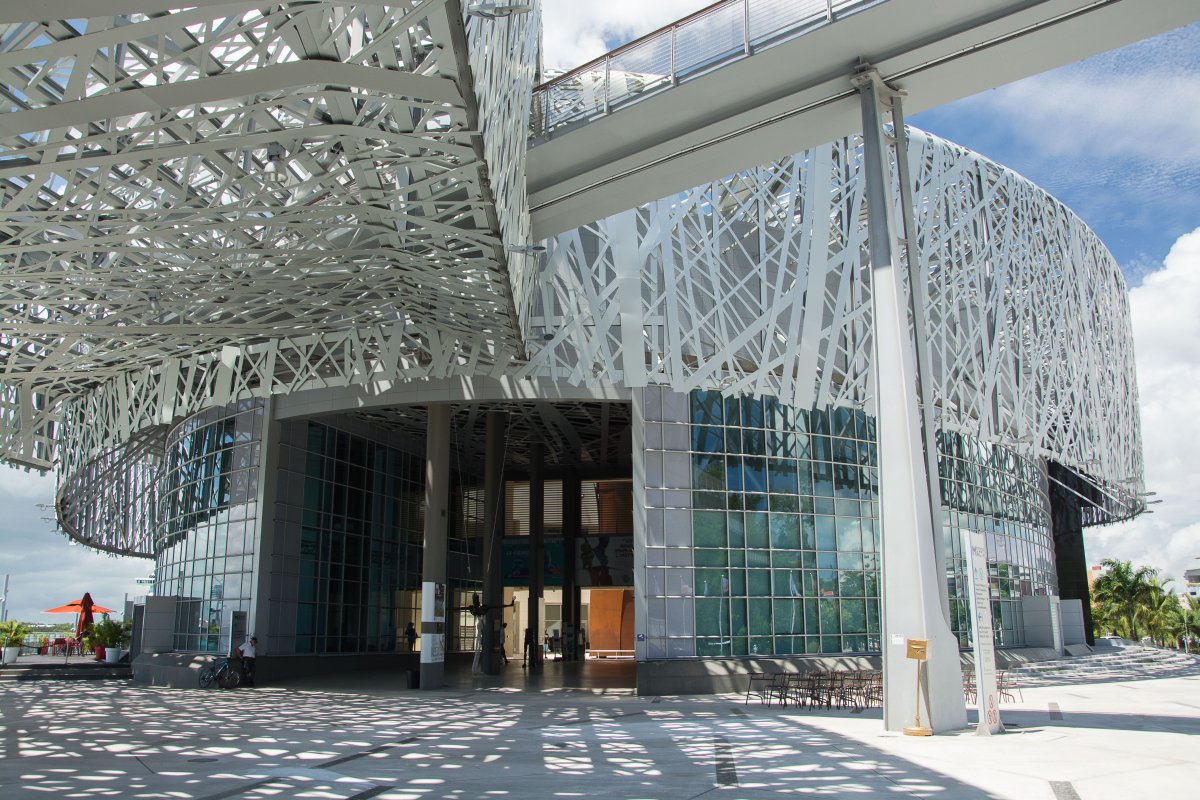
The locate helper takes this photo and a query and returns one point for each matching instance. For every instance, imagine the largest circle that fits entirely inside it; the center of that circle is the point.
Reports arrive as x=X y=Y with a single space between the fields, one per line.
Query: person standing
x=248 y=650
x=504 y=642
x=410 y=633
x=530 y=643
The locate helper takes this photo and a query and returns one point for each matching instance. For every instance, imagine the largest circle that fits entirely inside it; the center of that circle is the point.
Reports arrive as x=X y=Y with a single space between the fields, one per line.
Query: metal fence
x=693 y=46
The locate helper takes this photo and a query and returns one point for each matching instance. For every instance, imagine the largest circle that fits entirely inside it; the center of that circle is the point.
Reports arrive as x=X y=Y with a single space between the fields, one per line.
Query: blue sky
x=1117 y=138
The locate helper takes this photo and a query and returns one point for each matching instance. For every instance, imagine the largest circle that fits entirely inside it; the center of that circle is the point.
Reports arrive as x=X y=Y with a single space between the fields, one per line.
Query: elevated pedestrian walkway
x=743 y=82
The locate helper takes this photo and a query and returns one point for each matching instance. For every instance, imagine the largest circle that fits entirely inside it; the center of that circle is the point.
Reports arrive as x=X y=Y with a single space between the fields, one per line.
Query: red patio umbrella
x=85 y=608
x=75 y=606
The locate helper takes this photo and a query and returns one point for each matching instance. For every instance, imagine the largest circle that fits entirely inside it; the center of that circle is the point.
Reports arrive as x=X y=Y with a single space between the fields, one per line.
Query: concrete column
x=572 y=509
x=493 y=538
x=537 y=550
x=437 y=518
x=912 y=606
x=258 y=618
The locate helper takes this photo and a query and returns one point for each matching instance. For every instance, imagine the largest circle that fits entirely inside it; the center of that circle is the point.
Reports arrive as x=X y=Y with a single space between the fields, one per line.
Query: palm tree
x=1103 y=619
x=1191 y=623
x=1120 y=592
x=1161 y=613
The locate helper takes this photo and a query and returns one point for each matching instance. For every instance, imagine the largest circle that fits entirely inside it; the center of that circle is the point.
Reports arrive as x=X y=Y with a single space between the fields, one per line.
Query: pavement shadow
x=136 y=741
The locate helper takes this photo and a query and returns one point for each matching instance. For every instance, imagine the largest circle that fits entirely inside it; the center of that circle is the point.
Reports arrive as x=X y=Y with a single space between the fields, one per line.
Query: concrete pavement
x=361 y=737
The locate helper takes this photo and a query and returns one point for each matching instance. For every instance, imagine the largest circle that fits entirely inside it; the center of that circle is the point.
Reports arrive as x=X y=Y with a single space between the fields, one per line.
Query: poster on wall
x=605 y=561
x=515 y=562
x=433 y=622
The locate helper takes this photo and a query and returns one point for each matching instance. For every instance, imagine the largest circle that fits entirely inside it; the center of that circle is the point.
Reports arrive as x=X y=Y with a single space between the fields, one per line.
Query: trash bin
x=414 y=679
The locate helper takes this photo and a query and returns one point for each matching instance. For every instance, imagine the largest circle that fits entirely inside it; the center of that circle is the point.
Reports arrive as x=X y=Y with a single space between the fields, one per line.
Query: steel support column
x=437 y=505
x=493 y=538
x=537 y=550
x=912 y=606
x=572 y=508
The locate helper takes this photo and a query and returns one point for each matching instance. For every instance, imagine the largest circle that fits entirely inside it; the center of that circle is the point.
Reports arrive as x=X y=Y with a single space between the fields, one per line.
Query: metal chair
x=762 y=685
x=1006 y=686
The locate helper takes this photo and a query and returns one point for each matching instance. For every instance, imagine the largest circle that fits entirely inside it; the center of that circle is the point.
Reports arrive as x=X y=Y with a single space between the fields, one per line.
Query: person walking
x=504 y=642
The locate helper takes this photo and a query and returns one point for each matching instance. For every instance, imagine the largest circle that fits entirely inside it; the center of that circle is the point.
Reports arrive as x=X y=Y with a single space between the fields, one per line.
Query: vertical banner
x=986 y=693
x=433 y=622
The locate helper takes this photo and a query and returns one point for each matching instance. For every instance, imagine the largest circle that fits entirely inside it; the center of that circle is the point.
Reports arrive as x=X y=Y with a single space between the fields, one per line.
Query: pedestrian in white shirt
x=248 y=651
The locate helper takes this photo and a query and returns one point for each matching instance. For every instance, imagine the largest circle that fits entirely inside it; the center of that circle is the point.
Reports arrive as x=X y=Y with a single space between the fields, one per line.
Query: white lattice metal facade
x=228 y=202
x=758 y=284
x=200 y=204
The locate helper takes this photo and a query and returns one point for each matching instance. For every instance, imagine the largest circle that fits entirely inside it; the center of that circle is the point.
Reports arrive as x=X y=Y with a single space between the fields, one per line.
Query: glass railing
x=693 y=46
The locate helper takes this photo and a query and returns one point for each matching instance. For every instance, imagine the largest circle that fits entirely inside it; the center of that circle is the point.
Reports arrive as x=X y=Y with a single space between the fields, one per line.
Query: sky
x=1116 y=137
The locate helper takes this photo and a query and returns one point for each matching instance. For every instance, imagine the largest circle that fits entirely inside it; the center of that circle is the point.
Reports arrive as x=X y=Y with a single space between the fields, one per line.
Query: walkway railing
x=724 y=32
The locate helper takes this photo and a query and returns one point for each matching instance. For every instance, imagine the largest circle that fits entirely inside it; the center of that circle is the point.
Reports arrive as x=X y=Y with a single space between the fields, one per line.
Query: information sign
x=986 y=689
x=433 y=622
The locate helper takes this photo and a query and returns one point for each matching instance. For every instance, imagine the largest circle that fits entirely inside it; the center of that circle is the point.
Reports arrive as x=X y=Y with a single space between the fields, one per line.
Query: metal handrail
x=724 y=31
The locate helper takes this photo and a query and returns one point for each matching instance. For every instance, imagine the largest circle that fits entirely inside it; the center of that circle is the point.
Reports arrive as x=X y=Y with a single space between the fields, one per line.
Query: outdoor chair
x=1006 y=686
x=822 y=689
x=794 y=689
x=762 y=685
x=858 y=686
x=873 y=694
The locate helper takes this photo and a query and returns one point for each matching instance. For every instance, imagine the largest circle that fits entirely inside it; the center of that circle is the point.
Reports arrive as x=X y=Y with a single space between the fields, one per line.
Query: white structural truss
x=759 y=284
x=237 y=199
x=231 y=201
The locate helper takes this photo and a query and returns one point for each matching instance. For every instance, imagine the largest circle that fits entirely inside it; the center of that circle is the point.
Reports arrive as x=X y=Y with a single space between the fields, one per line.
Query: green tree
x=1120 y=592
x=1161 y=614
x=1191 y=624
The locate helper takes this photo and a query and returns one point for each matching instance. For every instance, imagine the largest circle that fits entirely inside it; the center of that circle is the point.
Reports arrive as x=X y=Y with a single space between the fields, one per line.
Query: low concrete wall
x=175 y=670
x=723 y=675
x=730 y=675
x=1073 y=622
x=1043 y=621
x=158 y=625
x=181 y=670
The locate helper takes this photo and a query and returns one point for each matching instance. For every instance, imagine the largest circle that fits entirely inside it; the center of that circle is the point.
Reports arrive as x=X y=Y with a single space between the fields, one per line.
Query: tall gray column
x=437 y=518
x=257 y=620
x=572 y=509
x=537 y=550
x=493 y=538
x=912 y=605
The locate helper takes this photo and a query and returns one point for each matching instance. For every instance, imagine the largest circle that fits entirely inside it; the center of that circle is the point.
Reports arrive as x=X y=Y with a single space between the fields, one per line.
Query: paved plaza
x=1079 y=735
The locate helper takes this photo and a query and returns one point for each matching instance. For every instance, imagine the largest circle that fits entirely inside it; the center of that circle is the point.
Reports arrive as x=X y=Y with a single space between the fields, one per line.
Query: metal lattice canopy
x=180 y=188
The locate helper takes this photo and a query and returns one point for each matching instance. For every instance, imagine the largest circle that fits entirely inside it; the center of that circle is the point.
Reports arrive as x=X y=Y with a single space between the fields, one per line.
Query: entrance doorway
x=606 y=623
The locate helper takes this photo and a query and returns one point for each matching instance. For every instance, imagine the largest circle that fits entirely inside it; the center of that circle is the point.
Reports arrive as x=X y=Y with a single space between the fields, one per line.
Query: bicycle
x=221 y=672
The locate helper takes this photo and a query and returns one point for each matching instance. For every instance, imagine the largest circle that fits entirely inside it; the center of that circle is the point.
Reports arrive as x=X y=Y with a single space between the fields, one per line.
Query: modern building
x=1191 y=581
x=281 y=326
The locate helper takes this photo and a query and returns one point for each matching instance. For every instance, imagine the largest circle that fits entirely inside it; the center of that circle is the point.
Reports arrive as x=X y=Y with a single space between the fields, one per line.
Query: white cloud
x=576 y=31
x=1151 y=117
x=1166 y=330
x=44 y=569
x=16 y=483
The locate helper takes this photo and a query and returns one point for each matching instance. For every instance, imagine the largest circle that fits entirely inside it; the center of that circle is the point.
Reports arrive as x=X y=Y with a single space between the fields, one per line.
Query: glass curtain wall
x=205 y=545
x=762 y=532
x=360 y=543
x=990 y=488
